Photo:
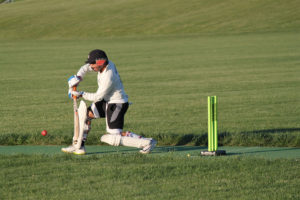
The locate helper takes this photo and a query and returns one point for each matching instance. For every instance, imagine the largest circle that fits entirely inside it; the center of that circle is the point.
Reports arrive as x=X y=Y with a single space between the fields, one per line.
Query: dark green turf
x=266 y=152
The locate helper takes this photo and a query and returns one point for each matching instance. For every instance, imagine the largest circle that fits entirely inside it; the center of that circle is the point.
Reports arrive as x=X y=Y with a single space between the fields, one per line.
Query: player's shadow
x=112 y=151
x=165 y=149
x=157 y=150
x=269 y=150
x=280 y=130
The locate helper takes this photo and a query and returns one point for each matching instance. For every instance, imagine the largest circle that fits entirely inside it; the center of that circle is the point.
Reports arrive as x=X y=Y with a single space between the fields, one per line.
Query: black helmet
x=96 y=54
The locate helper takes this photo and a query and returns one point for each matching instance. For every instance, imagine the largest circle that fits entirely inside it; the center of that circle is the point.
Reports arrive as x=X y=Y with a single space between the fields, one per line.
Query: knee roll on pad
x=111 y=139
x=82 y=114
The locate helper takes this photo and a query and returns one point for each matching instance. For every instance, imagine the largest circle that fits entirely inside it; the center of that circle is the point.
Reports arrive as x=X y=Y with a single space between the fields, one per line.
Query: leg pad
x=117 y=140
x=82 y=114
x=111 y=139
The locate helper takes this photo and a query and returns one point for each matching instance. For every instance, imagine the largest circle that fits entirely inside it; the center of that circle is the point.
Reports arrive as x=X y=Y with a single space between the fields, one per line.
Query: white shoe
x=72 y=149
x=149 y=147
x=69 y=149
x=80 y=151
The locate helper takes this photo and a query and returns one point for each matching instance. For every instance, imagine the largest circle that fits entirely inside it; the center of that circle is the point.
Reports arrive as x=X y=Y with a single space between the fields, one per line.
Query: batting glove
x=77 y=94
x=74 y=81
x=72 y=93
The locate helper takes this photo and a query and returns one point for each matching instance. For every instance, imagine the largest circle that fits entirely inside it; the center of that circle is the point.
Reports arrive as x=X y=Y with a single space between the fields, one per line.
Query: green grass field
x=171 y=56
x=168 y=81
x=133 y=176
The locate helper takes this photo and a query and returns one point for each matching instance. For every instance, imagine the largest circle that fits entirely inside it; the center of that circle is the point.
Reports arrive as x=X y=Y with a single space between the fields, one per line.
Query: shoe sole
x=67 y=152
x=143 y=152
x=78 y=153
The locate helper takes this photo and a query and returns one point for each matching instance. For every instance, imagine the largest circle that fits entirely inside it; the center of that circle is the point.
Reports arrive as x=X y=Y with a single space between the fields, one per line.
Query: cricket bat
x=76 y=119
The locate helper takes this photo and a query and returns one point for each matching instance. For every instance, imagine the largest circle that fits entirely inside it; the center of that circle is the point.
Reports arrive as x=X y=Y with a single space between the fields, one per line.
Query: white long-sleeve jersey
x=110 y=87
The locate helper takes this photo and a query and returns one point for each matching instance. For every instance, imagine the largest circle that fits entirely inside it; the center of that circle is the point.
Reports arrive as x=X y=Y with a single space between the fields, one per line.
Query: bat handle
x=74 y=89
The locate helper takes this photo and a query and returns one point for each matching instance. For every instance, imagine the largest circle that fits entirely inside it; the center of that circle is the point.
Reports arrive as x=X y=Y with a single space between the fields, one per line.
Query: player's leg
x=146 y=149
x=116 y=136
x=96 y=110
x=84 y=127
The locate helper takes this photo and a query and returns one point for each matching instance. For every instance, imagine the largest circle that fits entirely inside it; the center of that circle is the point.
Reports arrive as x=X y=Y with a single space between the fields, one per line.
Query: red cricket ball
x=44 y=133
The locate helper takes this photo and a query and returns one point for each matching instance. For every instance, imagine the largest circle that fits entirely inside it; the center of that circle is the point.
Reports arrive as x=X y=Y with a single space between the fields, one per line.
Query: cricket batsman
x=110 y=102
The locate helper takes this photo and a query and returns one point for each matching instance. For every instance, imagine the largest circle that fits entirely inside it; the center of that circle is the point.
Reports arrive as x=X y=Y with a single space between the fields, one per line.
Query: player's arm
x=106 y=87
x=76 y=79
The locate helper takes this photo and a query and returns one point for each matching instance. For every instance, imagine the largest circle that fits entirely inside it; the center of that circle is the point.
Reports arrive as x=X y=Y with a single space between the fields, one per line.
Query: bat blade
x=76 y=119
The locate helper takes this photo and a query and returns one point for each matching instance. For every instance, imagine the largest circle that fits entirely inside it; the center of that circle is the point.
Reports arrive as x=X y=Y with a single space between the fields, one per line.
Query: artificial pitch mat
x=191 y=151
